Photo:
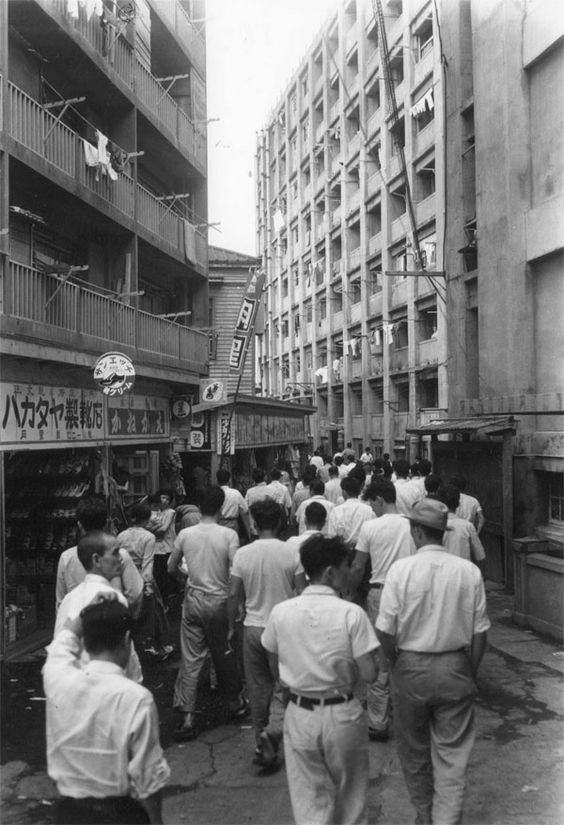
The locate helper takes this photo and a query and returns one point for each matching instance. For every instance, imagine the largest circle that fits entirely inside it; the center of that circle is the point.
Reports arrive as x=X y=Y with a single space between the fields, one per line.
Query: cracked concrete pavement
x=514 y=777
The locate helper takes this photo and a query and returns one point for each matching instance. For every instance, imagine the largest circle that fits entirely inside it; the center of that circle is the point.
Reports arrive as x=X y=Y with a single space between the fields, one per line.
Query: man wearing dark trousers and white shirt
x=265 y=572
x=381 y=541
x=432 y=625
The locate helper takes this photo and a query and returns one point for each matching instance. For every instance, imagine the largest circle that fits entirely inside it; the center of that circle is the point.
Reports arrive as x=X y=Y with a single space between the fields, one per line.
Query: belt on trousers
x=309 y=703
x=376 y=585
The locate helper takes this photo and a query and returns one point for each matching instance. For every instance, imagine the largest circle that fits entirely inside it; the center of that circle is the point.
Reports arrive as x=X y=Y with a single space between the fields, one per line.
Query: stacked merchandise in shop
x=42 y=492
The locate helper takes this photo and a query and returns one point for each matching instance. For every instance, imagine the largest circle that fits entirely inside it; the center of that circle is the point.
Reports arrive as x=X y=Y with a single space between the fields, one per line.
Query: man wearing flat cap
x=432 y=625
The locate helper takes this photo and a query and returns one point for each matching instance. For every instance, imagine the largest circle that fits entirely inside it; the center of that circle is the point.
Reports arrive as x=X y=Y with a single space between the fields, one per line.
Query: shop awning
x=478 y=425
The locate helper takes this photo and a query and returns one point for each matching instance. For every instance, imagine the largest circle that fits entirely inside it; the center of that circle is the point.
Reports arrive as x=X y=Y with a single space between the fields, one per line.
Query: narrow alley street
x=515 y=772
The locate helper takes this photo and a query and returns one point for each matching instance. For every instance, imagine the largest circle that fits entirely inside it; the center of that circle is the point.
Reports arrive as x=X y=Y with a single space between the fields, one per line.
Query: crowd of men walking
x=335 y=611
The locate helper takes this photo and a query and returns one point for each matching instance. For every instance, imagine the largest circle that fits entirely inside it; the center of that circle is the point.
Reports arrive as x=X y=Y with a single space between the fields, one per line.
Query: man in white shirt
x=381 y=541
x=469 y=507
x=324 y=645
x=99 y=554
x=333 y=492
x=432 y=625
x=317 y=490
x=317 y=460
x=256 y=493
x=102 y=729
x=345 y=520
x=234 y=505
x=407 y=493
x=92 y=515
x=279 y=493
x=367 y=457
x=208 y=550
x=461 y=537
x=315 y=521
x=265 y=572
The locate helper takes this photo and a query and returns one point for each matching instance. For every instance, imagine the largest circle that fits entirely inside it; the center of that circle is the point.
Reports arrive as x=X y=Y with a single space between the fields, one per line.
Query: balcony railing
x=179 y=21
x=427 y=352
x=39 y=131
x=47 y=300
x=122 y=59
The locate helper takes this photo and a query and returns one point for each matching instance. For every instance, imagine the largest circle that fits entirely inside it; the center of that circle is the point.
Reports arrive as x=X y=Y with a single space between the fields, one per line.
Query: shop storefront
x=263 y=432
x=58 y=444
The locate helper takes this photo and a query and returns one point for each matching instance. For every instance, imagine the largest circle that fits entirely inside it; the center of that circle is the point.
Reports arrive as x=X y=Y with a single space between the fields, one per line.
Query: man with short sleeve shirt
x=264 y=573
x=432 y=625
x=208 y=550
x=346 y=519
x=317 y=489
x=324 y=645
x=234 y=505
x=381 y=541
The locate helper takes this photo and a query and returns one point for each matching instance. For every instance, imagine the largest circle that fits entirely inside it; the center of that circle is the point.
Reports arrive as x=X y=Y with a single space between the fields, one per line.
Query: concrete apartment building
x=465 y=366
x=103 y=242
x=370 y=347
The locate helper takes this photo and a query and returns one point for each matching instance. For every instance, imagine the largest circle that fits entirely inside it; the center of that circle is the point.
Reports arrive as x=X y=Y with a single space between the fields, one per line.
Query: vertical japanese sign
x=225 y=433
x=246 y=321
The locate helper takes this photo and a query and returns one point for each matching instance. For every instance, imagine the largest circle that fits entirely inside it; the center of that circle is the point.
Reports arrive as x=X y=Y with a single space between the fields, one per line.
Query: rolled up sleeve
x=148 y=770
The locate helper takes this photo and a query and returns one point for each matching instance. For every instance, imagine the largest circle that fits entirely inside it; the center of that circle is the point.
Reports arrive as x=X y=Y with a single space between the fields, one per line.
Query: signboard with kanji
x=36 y=414
x=135 y=415
x=246 y=320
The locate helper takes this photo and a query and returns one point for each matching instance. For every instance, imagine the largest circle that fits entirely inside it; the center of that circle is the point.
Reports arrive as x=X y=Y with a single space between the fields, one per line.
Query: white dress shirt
x=433 y=602
x=333 y=491
x=79 y=598
x=234 y=503
x=462 y=539
x=70 y=573
x=469 y=508
x=407 y=494
x=300 y=512
x=317 y=637
x=278 y=492
x=102 y=728
x=385 y=539
x=346 y=519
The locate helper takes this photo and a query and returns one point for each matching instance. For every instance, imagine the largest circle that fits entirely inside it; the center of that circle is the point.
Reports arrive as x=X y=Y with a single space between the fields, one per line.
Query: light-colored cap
x=430 y=513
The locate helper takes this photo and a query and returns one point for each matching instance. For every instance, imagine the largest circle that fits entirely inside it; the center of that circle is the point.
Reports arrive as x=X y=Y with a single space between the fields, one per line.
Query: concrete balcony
x=375 y=304
x=427 y=352
x=357 y=426
x=353 y=145
x=393 y=167
x=356 y=369
x=372 y=63
x=119 y=59
x=356 y=313
x=423 y=68
x=47 y=310
x=398 y=228
x=336 y=164
x=424 y=140
x=399 y=292
x=318 y=84
x=351 y=37
x=399 y=359
x=375 y=365
x=320 y=130
x=375 y=244
x=374 y=122
x=353 y=201
x=377 y=426
x=320 y=180
x=182 y=27
x=338 y=319
x=334 y=111
x=54 y=147
x=354 y=259
x=399 y=424
x=306 y=193
x=336 y=216
x=322 y=328
x=425 y=210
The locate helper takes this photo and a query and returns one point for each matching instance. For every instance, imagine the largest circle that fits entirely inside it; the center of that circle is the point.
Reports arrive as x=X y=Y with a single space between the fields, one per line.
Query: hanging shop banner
x=34 y=414
x=263 y=429
x=213 y=391
x=200 y=432
x=244 y=327
x=114 y=373
x=225 y=432
x=138 y=415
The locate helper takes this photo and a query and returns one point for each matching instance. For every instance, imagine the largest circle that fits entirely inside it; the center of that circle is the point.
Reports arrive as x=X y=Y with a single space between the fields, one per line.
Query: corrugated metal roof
x=218 y=256
x=485 y=425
